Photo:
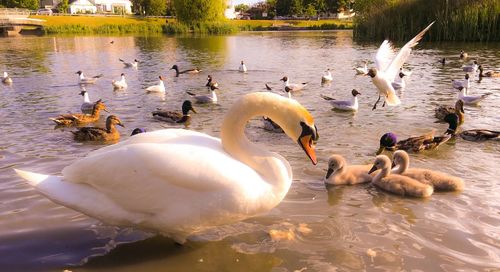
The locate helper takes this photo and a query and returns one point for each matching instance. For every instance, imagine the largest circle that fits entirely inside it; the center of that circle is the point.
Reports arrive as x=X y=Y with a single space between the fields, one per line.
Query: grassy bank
x=123 y=25
x=456 y=20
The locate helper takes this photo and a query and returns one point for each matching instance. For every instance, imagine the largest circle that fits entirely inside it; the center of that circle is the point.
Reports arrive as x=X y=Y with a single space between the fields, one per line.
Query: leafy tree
x=241 y=8
x=155 y=7
x=296 y=7
x=63 y=6
x=28 y=4
x=198 y=11
x=310 y=10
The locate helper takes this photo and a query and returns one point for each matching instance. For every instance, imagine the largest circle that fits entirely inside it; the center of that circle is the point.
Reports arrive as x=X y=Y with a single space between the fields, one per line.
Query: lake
x=346 y=228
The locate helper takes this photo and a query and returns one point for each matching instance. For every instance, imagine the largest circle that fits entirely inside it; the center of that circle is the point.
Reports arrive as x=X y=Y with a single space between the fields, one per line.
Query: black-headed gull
x=347 y=105
x=160 y=88
x=289 y=87
x=119 y=84
x=130 y=64
x=6 y=78
x=242 y=68
x=87 y=80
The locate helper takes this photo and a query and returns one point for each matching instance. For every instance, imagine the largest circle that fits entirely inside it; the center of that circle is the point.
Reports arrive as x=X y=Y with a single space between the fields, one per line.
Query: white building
x=230 y=13
x=112 y=6
x=81 y=6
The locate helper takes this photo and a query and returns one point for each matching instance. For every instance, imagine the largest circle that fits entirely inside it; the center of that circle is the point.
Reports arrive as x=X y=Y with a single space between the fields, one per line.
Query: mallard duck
x=211 y=84
x=488 y=73
x=87 y=107
x=160 y=88
x=339 y=173
x=474 y=135
x=78 y=118
x=397 y=184
x=427 y=141
x=120 y=84
x=138 y=131
x=6 y=79
x=133 y=64
x=242 y=68
x=96 y=134
x=438 y=180
x=188 y=71
x=177 y=182
x=289 y=87
x=175 y=116
x=463 y=55
x=442 y=61
x=87 y=80
x=441 y=112
x=346 y=105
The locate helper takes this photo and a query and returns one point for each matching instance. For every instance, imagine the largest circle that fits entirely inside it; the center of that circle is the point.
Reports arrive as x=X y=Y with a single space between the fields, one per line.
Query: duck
x=270 y=125
x=362 y=70
x=471 y=99
x=438 y=180
x=399 y=82
x=133 y=64
x=346 y=105
x=119 y=84
x=6 y=79
x=473 y=135
x=211 y=83
x=443 y=61
x=188 y=71
x=175 y=116
x=242 y=68
x=457 y=83
x=138 y=131
x=339 y=173
x=428 y=141
x=481 y=73
x=327 y=76
x=387 y=67
x=211 y=182
x=441 y=112
x=293 y=87
x=205 y=99
x=472 y=68
x=463 y=55
x=87 y=80
x=96 y=134
x=397 y=184
x=160 y=88
x=87 y=106
x=72 y=119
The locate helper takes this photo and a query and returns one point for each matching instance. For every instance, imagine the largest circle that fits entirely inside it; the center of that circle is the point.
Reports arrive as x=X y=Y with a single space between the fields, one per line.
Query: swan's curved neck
x=234 y=141
x=402 y=166
x=384 y=172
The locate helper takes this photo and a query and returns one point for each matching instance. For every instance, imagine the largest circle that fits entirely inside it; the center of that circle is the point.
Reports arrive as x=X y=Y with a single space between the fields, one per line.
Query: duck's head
x=284 y=79
x=459 y=106
x=443 y=61
x=372 y=72
x=209 y=78
x=480 y=67
x=79 y=73
x=475 y=62
x=187 y=106
x=113 y=119
x=83 y=92
x=381 y=162
x=387 y=141
x=355 y=92
x=452 y=119
x=401 y=74
x=399 y=157
x=335 y=162
x=99 y=105
x=137 y=131
x=174 y=67
x=466 y=76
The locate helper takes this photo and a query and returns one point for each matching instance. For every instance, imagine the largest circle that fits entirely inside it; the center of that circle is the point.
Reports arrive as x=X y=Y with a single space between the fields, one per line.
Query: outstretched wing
x=385 y=54
x=393 y=69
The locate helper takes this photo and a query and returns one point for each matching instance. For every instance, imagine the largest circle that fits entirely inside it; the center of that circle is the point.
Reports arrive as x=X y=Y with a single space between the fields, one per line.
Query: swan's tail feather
x=392 y=99
x=32 y=178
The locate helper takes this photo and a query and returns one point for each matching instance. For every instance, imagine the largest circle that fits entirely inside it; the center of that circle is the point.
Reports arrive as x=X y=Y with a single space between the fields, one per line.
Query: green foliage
x=104 y=29
x=456 y=20
x=28 y=4
x=63 y=6
x=309 y=7
x=241 y=8
x=192 y=12
x=155 y=7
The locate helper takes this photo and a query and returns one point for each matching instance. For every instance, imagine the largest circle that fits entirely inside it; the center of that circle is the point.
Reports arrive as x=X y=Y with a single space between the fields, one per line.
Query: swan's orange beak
x=306 y=142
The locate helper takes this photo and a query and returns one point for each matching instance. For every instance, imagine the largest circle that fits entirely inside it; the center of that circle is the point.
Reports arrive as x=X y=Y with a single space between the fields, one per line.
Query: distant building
x=230 y=12
x=81 y=6
x=50 y=4
x=113 y=6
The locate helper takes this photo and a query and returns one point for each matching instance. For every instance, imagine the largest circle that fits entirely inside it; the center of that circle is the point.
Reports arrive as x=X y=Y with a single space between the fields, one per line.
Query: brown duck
x=441 y=112
x=415 y=144
x=72 y=119
x=175 y=116
x=100 y=134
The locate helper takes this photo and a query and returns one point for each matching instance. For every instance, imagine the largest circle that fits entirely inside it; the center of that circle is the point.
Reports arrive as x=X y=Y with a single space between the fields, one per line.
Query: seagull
x=292 y=87
x=347 y=105
x=160 y=88
x=188 y=71
x=388 y=65
x=119 y=84
x=407 y=73
x=87 y=80
x=458 y=83
x=362 y=70
x=87 y=106
x=6 y=78
x=471 y=99
x=463 y=55
x=205 y=99
x=130 y=64
x=327 y=76
x=242 y=68
x=472 y=68
x=399 y=81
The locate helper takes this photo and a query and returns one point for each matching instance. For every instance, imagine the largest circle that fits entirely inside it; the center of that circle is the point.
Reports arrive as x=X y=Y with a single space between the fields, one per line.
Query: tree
x=63 y=6
x=241 y=8
x=198 y=11
x=27 y=4
x=155 y=7
x=310 y=10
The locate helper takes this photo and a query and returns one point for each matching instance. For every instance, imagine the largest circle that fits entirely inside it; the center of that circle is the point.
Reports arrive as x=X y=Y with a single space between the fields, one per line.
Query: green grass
x=456 y=20
x=124 y=25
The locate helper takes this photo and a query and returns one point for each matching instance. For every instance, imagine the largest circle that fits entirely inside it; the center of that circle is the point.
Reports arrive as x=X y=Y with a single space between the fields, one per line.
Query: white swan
x=160 y=88
x=388 y=65
x=6 y=78
x=339 y=173
x=177 y=182
x=439 y=180
x=119 y=84
x=242 y=68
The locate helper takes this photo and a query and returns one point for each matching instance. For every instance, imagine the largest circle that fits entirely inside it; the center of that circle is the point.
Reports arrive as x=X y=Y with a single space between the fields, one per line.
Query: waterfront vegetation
x=456 y=20
x=123 y=25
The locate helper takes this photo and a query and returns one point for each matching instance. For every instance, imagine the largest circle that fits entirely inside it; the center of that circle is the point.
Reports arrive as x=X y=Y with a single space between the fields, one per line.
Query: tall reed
x=456 y=20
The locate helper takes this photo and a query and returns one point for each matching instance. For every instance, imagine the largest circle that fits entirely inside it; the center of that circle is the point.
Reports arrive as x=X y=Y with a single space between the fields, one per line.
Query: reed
x=456 y=20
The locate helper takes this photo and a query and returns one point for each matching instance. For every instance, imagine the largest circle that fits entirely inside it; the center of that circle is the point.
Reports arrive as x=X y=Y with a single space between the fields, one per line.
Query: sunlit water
x=352 y=228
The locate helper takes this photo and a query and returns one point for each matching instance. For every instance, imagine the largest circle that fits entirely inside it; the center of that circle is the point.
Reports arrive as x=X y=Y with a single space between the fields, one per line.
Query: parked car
x=44 y=11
